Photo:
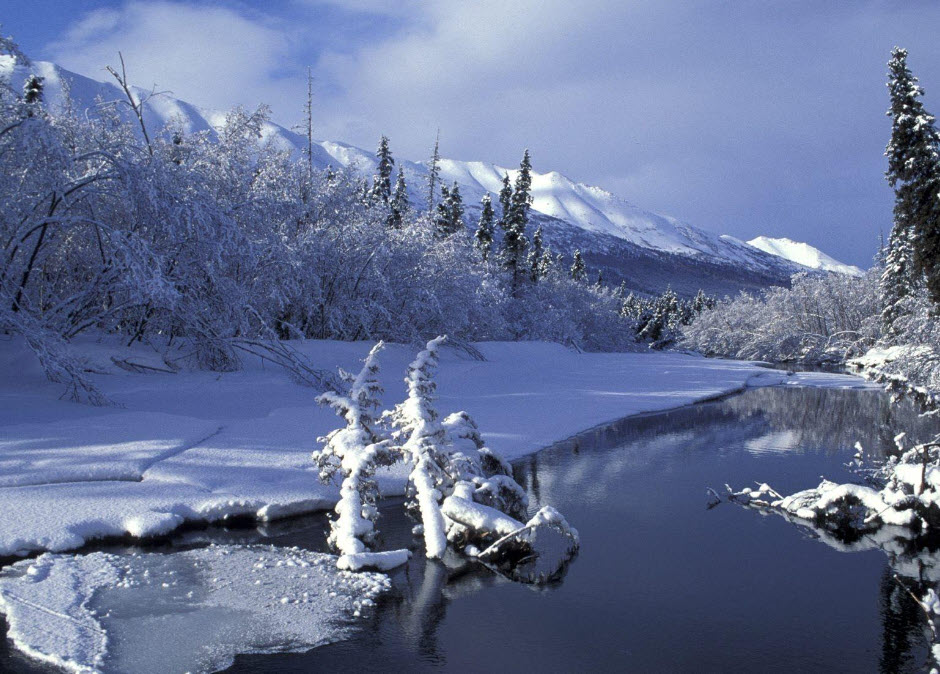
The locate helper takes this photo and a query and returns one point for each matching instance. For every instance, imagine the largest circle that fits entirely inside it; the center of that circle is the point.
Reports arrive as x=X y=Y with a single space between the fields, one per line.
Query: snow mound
x=183 y=612
x=804 y=254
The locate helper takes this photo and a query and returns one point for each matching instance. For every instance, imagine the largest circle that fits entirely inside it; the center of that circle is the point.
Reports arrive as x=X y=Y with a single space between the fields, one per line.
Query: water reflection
x=661 y=582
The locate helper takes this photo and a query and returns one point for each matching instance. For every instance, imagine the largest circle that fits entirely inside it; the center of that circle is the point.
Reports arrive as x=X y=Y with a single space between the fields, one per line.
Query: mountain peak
x=804 y=254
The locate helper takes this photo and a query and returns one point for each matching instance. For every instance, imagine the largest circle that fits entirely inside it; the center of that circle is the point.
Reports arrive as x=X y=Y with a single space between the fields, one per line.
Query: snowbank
x=110 y=613
x=206 y=446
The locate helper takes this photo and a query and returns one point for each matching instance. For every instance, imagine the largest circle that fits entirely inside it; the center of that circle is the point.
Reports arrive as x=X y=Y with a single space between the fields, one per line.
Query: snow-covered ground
x=183 y=612
x=204 y=446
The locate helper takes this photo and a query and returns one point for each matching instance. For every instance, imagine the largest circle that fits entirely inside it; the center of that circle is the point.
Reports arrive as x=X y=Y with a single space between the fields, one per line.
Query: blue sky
x=744 y=117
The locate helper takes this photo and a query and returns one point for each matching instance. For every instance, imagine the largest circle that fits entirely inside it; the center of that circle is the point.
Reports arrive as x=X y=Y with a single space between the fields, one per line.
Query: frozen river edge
x=200 y=446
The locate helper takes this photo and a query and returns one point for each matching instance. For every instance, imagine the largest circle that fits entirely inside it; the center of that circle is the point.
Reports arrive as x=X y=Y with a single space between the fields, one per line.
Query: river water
x=662 y=582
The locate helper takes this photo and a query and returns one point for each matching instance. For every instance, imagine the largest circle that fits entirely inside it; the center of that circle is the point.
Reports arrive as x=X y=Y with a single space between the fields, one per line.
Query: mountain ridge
x=578 y=215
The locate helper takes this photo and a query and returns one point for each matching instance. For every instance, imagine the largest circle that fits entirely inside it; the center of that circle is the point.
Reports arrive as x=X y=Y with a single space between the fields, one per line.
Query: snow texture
x=118 y=613
x=204 y=446
x=804 y=254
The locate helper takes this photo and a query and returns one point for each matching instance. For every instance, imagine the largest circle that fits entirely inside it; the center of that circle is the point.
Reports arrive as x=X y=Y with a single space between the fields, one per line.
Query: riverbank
x=204 y=446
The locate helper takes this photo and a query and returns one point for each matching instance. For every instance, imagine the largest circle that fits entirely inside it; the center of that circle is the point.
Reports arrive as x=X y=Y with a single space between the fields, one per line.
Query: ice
x=182 y=612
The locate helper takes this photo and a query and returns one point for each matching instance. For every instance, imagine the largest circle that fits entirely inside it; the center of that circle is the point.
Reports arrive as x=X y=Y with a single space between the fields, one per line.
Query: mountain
x=645 y=250
x=804 y=254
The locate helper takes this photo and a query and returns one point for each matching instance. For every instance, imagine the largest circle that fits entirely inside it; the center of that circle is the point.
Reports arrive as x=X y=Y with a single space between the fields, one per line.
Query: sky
x=743 y=117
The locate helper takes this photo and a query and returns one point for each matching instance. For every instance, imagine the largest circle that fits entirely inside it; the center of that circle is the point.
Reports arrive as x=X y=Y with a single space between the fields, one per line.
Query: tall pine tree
x=434 y=172
x=514 y=240
x=399 y=203
x=382 y=181
x=535 y=256
x=483 y=238
x=913 y=171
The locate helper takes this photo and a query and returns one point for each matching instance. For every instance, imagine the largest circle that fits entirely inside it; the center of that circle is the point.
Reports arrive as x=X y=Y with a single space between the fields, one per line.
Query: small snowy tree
x=355 y=451
x=421 y=437
x=399 y=203
x=382 y=181
x=483 y=238
x=578 y=270
x=535 y=256
x=434 y=172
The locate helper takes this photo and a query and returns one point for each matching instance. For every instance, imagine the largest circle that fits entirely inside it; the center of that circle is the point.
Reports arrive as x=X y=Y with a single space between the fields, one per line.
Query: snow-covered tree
x=486 y=230
x=421 y=438
x=355 y=451
x=382 y=181
x=898 y=281
x=578 y=271
x=913 y=170
x=535 y=256
x=434 y=172
x=449 y=212
x=399 y=204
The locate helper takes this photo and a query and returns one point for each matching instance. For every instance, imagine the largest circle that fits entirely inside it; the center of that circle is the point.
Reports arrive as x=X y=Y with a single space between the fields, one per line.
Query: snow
x=118 y=613
x=202 y=446
x=804 y=254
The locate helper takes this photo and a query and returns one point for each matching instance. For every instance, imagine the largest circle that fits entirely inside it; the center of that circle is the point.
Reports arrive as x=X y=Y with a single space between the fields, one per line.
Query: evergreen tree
x=515 y=221
x=434 y=172
x=546 y=264
x=399 y=203
x=483 y=239
x=449 y=212
x=535 y=256
x=32 y=90
x=898 y=280
x=382 y=182
x=621 y=291
x=578 y=270
x=505 y=203
x=599 y=283
x=913 y=171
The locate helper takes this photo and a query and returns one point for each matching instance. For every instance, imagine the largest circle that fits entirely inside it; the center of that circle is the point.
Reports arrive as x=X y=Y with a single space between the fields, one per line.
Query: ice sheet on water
x=182 y=612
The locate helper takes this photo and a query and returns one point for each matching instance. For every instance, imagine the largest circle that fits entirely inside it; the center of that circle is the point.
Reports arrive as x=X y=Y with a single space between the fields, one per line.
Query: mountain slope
x=804 y=254
x=616 y=236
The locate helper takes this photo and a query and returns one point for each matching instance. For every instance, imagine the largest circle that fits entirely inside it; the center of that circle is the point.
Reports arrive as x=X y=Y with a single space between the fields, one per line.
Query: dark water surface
x=662 y=583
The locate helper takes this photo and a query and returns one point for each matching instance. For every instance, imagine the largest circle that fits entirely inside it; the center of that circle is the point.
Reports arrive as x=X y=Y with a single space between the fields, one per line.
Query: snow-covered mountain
x=645 y=249
x=804 y=254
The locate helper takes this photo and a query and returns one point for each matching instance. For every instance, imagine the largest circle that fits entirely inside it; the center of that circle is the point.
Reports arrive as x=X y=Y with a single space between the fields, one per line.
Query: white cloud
x=208 y=55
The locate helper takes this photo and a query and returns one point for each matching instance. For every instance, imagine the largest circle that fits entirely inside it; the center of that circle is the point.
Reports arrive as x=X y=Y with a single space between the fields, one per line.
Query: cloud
x=209 y=55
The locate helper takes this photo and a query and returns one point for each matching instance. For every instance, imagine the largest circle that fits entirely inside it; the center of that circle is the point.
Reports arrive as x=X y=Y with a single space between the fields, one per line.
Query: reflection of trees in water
x=903 y=647
x=833 y=420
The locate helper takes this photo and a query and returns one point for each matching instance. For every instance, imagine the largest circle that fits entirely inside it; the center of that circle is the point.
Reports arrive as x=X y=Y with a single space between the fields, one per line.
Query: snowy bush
x=820 y=319
x=459 y=491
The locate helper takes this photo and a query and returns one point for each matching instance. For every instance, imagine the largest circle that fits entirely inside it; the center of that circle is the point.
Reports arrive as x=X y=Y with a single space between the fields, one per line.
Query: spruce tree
x=599 y=283
x=449 y=212
x=913 y=171
x=578 y=270
x=898 y=280
x=382 y=181
x=32 y=90
x=546 y=264
x=515 y=220
x=505 y=203
x=434 y=172
x=483 y=239
x=399 y=203
x=535 y=256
